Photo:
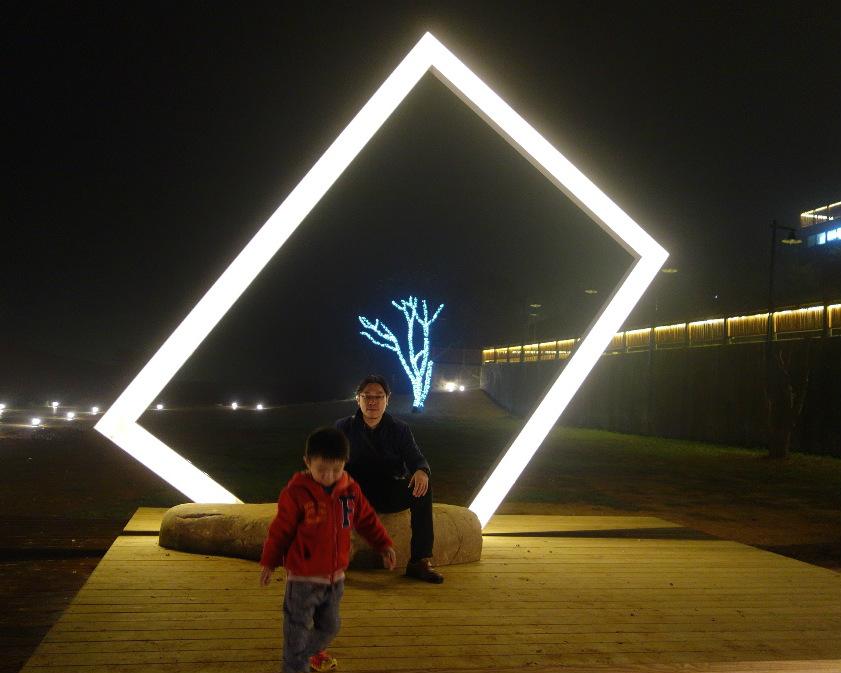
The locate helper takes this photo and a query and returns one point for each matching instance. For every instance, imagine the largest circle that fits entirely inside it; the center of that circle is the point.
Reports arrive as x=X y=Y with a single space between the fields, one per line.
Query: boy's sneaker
x=323 y=662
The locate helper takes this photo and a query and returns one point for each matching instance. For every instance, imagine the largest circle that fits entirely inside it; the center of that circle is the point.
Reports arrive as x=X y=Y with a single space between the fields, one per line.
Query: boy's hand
x=389 y=558
x=265 y=576
x=419 y=483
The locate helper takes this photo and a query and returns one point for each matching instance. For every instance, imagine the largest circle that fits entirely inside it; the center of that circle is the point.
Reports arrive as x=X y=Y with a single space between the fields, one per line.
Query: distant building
x=822 y=226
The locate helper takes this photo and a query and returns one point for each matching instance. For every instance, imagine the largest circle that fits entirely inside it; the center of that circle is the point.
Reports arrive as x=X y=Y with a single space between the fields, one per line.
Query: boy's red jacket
x=310 y=535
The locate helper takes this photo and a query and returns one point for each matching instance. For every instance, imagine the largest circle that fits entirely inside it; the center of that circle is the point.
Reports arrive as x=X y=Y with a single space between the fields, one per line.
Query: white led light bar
x=120 y=422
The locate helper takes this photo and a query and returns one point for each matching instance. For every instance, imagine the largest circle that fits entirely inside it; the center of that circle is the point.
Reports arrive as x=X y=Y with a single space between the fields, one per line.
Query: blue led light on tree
x=417 y=365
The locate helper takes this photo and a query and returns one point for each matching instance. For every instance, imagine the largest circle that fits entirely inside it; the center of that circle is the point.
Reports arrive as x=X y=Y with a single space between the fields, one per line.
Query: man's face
x=325 y=472
x=372 y=401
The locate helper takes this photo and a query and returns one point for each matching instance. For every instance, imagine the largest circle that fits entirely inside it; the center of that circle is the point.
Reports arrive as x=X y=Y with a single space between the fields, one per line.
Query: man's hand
x=265 y=576
x=419 y=483
x=389 y=558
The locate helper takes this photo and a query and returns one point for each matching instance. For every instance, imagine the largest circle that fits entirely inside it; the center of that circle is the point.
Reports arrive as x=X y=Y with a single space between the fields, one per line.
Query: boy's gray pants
x=310 y=622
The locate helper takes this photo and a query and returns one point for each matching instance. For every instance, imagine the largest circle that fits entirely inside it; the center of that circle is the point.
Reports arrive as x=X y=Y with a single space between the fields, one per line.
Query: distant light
x=259 y=407
x=71 y=415
x=159 y=407
x=449 y=386
x=591 y=291
x=36 y=422
x=668 y=269
x=461 y=388
x=94 y=410
x=2 y=406
x=234 y=405
x=54 y=405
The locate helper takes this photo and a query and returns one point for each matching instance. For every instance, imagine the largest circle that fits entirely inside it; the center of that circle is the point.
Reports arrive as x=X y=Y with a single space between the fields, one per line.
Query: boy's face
x=325 y=472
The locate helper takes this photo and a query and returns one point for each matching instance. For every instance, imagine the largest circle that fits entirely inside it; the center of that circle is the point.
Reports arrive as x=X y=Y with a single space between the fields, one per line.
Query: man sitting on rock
x=391 y=470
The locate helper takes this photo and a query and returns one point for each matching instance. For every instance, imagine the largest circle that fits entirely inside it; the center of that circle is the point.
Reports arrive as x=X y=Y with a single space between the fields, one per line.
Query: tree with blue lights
x=417 y=365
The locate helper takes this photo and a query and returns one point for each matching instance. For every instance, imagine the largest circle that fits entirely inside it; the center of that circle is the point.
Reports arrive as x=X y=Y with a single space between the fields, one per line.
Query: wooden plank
x=629 y=600
x=809 y=666
x=574 y=614
x=530 y=602
x=538 y=523
x=364 y=639
x=580 y=639
x=559 y=583
x=357 y=657
x=146 y=520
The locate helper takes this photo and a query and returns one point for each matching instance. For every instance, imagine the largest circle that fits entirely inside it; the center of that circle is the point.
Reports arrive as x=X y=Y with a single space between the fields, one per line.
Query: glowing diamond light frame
x=119 y=423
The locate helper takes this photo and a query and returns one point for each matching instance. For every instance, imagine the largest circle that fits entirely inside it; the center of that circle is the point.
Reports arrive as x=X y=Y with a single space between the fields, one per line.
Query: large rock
x=458 y=538
x=240 y=530
x=220 y=530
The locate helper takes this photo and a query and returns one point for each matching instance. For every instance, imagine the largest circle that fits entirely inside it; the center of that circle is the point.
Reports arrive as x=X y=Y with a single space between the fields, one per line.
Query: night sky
x=145 y=143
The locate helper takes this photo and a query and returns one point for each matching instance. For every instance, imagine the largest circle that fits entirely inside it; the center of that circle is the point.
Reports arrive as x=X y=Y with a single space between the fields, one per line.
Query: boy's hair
x=328 y=444
x=373 y=378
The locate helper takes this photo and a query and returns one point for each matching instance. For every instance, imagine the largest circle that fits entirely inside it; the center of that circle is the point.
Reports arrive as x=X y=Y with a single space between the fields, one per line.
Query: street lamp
x=532 y=314
x=790 y=239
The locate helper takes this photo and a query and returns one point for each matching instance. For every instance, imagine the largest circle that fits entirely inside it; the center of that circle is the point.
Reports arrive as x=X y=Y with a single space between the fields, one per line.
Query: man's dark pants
x=389 y=495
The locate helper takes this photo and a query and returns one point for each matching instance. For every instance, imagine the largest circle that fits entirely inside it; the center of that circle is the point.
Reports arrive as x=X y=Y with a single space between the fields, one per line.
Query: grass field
x=791 y=506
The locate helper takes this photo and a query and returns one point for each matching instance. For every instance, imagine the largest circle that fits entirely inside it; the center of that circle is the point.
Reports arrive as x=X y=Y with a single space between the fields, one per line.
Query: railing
x=786 y=324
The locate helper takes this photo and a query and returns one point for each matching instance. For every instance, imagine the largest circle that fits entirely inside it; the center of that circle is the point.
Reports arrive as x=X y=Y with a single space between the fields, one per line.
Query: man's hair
x=373 y=378
x=328 y=444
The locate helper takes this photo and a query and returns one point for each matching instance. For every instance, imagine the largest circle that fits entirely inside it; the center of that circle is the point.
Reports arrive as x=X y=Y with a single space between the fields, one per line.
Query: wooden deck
x=550 y=593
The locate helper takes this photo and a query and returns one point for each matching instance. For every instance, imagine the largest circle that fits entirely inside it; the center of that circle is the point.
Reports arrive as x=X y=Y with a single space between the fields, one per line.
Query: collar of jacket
x=384 y=421
x=304 y=479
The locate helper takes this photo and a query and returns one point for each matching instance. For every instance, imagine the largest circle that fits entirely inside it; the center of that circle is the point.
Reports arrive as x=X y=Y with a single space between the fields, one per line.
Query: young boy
x=310 y=536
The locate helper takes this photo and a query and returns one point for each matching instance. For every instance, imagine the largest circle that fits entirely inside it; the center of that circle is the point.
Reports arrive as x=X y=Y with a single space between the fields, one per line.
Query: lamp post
x=790 y=239
x=531 y=316
x=655 y=301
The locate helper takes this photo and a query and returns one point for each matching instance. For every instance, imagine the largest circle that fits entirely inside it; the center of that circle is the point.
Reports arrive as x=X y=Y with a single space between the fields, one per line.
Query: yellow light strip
x=817 y=210
x=636 y=332
x=738 y=321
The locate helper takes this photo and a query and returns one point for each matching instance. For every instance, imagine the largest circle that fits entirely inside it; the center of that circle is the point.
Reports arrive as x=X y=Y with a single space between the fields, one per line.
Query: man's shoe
x=422 y=570
x=323 y=662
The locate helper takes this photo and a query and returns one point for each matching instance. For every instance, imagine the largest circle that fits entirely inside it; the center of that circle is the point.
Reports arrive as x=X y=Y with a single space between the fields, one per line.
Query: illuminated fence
x=530 y=353
x=666 y=336
x=802 y=320
x=708 y=330
x=617 y=343
x=747 y=327
x=637 y=338
x=548 y=350
x=787 y=324
x=820 y=216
